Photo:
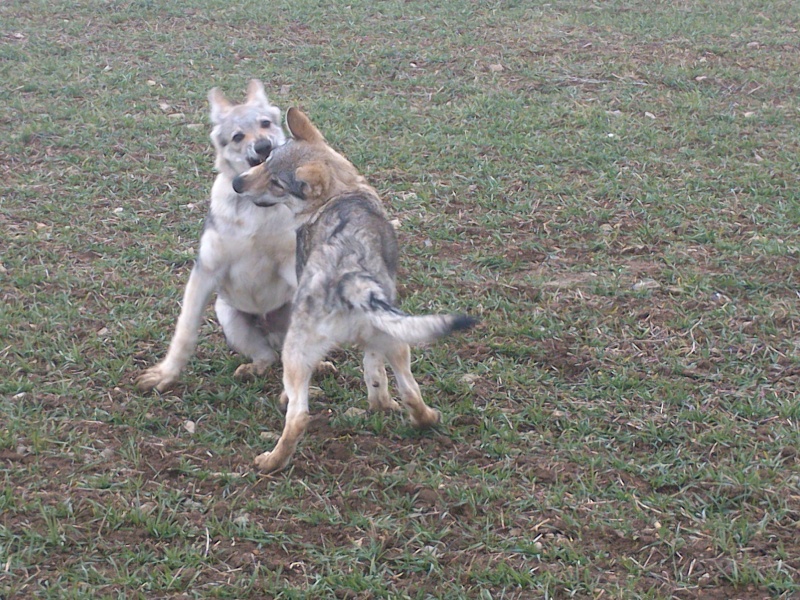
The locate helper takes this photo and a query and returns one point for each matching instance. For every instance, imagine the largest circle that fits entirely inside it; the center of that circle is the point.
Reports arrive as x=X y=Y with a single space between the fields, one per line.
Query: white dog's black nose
x=259 y=152
x=263 y=148
x=238 y=184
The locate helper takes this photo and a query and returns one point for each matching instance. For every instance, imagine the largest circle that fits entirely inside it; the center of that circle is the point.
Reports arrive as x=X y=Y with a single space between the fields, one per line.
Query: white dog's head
x=244 y=134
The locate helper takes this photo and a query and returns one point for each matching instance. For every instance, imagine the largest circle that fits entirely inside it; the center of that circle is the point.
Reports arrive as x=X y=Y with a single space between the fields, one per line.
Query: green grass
x=611 y=187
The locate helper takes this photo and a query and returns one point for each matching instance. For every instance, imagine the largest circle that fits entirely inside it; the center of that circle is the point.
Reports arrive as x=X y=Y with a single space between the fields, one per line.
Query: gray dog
x=346 y=263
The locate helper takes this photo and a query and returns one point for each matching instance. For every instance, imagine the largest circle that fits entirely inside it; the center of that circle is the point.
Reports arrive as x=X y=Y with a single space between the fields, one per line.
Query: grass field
x=612 y=187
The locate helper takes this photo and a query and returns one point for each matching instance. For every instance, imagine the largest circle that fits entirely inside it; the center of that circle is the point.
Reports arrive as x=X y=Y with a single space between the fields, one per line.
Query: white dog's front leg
x=201 y=285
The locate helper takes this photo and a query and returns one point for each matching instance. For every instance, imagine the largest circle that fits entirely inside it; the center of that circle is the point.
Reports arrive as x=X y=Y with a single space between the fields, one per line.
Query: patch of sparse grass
x=611 y=188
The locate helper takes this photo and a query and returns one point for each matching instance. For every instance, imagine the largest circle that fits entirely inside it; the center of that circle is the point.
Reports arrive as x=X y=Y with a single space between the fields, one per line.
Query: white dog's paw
x=249 y=371
x=158 y=377
x=326 y=367
x=385 y=404
x=270 y=462
x=283 y=402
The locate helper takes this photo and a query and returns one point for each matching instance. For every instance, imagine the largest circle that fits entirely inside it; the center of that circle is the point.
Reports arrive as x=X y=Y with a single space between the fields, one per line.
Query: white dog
x=247 y=252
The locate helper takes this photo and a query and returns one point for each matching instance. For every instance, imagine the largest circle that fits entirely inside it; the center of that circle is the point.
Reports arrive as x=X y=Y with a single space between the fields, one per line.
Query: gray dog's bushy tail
x=414 y=330
x=368 y=296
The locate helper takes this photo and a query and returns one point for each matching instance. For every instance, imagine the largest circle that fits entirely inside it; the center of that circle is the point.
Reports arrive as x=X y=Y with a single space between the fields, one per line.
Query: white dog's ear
x=256 y=93
x=219 y=105
x=301 y=127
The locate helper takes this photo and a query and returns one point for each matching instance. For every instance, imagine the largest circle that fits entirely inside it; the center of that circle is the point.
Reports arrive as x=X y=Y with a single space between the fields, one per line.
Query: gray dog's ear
x=219 y=105
x=302 y=128
x=312 y=181
x=256 y=93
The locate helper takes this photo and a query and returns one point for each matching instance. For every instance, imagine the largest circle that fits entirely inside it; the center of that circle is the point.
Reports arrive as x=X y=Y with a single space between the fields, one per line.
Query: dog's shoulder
x=352 y=214
x=354 y=223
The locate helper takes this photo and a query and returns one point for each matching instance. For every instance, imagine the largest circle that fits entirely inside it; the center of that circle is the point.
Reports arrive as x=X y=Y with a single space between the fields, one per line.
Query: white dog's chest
x=252 y=256
x=256 y=283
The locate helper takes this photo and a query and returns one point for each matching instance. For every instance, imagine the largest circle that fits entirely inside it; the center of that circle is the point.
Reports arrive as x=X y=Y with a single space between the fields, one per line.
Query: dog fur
x=346 y=264
x=246 y=253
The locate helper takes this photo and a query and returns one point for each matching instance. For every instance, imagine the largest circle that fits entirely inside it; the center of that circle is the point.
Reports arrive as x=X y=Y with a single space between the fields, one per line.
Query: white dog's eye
x=275 y=182
x=266 y=123
x=237 y=137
